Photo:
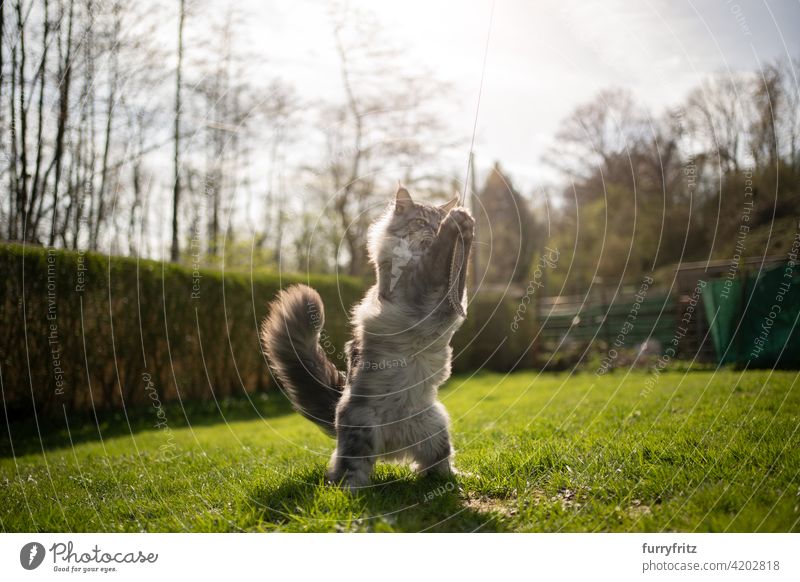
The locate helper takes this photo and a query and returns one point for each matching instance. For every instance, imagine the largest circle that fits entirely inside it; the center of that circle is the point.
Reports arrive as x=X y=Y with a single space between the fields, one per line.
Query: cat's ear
x=402 y=200
x=447 y=207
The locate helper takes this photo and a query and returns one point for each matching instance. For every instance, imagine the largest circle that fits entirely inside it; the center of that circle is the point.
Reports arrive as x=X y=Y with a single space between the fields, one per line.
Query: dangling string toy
x=457 y=278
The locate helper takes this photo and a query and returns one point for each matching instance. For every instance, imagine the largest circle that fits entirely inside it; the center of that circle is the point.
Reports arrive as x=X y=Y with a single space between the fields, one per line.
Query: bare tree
x=599 y=138
x=176 y=189
x=789 y=111
x=22 y=177
x=766 y=101
x=386 y=120
x=715 y=119
x=111 y=101
x=65 y=77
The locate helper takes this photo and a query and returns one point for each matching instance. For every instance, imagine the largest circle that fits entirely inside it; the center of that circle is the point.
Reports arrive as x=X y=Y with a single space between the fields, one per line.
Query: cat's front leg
x=457 y=224
x=352 y=462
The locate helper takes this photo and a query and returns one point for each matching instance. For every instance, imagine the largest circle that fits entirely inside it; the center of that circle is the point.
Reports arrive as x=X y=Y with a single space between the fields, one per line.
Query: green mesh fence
x=754 y=318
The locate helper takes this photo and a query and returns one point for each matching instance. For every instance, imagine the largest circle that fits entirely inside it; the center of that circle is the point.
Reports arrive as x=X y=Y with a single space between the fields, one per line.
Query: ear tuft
x=402 y=200
x=449 y=205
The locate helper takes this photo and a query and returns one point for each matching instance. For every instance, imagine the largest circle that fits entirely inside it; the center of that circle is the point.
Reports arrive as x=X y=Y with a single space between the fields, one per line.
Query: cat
x=385 y=404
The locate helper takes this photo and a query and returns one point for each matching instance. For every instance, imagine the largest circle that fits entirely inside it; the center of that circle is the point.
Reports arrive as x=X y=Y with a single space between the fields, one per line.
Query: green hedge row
x=498 y=335
x=84 y=331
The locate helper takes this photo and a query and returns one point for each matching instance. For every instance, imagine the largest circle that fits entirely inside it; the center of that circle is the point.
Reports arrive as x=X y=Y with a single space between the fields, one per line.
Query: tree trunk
x=22 y=182
x=12 y=162
x=111 y=103
x=65 y=76
x=37 y=187
x=176 y=191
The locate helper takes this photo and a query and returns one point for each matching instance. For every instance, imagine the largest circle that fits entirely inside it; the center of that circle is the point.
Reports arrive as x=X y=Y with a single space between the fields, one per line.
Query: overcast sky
x=545 y=57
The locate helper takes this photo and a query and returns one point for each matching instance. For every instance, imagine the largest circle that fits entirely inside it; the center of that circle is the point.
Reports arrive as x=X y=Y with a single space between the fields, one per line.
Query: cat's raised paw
x=460 y=220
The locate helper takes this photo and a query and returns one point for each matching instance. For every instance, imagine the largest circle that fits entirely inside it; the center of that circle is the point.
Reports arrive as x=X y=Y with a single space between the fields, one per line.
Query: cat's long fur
x=385 y=405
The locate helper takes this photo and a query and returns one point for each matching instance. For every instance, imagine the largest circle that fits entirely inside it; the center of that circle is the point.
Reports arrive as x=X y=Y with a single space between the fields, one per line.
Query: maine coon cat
x=385 y=404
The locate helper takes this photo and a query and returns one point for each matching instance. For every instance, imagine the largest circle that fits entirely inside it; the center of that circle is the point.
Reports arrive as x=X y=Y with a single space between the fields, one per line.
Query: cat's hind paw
x=352 y=481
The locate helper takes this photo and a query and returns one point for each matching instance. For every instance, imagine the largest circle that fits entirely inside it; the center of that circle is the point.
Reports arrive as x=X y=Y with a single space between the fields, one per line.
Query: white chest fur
x=404 y=359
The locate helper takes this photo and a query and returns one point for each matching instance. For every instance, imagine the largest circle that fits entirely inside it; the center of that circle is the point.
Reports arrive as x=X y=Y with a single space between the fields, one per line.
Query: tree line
x=714 y=177
x=148 y=128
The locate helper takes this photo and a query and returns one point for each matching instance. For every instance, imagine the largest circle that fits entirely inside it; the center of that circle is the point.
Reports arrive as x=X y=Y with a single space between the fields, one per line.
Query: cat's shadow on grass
x=395 y=500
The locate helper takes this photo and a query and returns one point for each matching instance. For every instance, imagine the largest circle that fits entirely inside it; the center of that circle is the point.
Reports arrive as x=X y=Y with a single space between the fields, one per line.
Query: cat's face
x=415 y=224
x=398 y=239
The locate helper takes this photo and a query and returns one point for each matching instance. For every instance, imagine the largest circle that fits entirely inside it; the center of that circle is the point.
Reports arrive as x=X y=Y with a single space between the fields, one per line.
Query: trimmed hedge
x=84 y=331
x=498 y=335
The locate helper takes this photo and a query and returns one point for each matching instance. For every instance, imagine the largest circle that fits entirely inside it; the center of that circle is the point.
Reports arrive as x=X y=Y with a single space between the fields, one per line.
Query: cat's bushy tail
x=290 y=336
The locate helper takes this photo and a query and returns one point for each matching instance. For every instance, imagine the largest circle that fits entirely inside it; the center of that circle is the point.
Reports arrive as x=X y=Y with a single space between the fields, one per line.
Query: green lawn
x=703 y=451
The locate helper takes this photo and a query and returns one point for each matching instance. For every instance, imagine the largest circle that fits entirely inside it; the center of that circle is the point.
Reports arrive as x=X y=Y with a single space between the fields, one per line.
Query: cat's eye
x=420 y=223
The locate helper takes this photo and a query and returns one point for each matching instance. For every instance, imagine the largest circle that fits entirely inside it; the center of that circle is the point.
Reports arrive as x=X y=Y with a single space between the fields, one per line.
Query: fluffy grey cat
x=385 y=405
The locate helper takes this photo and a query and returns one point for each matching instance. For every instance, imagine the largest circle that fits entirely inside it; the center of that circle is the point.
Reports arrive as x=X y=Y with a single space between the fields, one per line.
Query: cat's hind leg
x=356 y=449
x=432 y=452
